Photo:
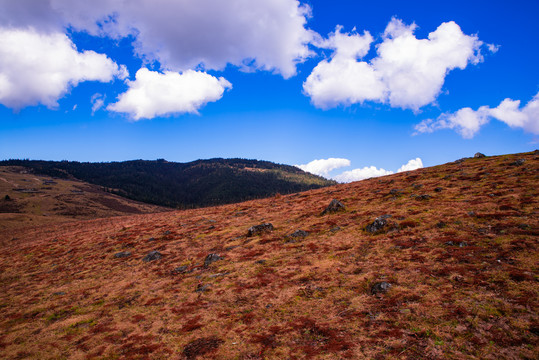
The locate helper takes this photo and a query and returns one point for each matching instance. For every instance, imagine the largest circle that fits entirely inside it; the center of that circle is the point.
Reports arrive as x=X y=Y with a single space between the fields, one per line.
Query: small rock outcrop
x=380 y=288
x=299 y=234
x=381 y=224
x=122 y=254
x=152 y=255
x=211 y=258
x=333 y=207
x=259 y=229
x=518 y=162
x=202 y=288
x=479 y=155
x=180 y=269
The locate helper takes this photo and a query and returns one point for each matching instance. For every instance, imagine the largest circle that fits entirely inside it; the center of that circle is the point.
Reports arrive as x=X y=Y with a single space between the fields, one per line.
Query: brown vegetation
x=462 y=264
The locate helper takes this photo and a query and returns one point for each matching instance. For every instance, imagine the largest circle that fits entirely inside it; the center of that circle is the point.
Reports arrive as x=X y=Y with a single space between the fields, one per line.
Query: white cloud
x=98 y=101
x=361 y=174
x=322 y=167
x=407 y=72
x=264 y=34
x=38 y=68
x=159 y=94
x=413 y=164
x=467 y=122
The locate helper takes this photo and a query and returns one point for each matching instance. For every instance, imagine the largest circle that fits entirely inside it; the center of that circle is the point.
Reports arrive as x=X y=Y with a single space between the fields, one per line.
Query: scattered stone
x=122 y=254
x=459 y=244
x=217 y=275
x=180 y=270
x=59 y=293
x=203 y=288
x=211 y=258
x=335 y=229
x=259 y=229
x=423 y=197
x=441 y=225
x=211 y=227
x=471 y=213
x=151 y=239
x=438 y=189
x=299 y=233
x=380 y=224
x=395 y=191
x=152 y=255
x=7 y=198
x=333 y=207
x=166 y=232
x=380 y=288
x=261 y=262
x=417 y=186
x=478 y=155
x=459 y=161
x=518 y=162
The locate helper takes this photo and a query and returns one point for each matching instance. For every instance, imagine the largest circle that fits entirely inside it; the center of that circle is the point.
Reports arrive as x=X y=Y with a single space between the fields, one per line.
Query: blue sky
x=415 y=83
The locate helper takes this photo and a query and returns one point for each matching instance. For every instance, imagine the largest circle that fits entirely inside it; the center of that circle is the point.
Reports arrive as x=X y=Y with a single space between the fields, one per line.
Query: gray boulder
x=151 y=256
x=260 y=229
x=333 y=207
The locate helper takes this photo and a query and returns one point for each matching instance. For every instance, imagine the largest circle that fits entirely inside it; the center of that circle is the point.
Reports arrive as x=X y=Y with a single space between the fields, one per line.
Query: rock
x=441 y=225
x=471 y=213
x=152 y=255
x=380 y=288
x=417 y=186
x=380 y=224
x=261 y=262
x=335 y=229
x=259 y=229
x=478 y=155
x=7 y=198
x=459 y=244
x=59 y=293
x=211 y=258
x=203 y=288
x=122 y=254
x=423 y=197
x=438 y=189
x=518 y=162
x=166 y=232
x=333 y=207
x=180 y=270
x=395 y=192
x=299 y=233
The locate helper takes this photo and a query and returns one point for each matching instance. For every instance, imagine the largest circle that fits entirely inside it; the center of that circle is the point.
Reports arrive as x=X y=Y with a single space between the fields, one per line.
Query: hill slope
x=452 y=274
x=185 y=185
x=28 y=199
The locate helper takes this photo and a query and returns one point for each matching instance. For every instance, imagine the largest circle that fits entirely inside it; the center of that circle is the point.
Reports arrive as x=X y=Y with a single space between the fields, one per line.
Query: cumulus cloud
x=154 y=94
x=407 y=72
x=208 y=34
x=322 y=167
x=413 y=164
x=361 y=174
x=40 y=68
x=467 y=122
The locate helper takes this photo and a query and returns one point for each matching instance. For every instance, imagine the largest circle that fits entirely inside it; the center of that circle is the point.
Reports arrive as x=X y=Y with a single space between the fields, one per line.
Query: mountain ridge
x=184 y=185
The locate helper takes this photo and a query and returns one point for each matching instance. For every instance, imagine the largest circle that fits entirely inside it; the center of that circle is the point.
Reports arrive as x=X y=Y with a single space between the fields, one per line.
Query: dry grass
x=463 y=266
x=36 y=200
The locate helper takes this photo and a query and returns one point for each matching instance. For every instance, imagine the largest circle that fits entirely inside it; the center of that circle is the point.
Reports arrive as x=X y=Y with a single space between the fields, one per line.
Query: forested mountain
x=183 y=185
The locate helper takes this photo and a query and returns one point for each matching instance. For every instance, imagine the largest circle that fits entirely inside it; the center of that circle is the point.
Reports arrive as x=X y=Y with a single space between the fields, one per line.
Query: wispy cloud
x=467 y=122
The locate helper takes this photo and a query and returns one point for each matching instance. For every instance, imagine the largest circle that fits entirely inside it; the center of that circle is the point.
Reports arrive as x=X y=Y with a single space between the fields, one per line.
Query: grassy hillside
x=28 y=200
x=184 y=185
x=452 y=273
